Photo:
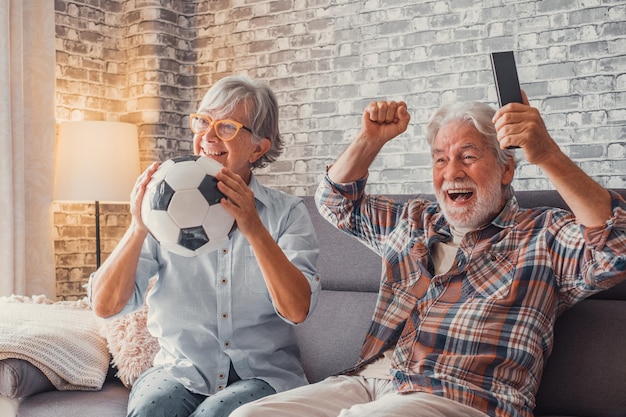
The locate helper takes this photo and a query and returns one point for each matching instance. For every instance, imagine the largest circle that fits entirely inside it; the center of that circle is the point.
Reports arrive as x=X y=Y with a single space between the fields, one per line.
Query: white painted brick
x=615 y=182
x=558 y=87
x=619 y=115
x=616 y=151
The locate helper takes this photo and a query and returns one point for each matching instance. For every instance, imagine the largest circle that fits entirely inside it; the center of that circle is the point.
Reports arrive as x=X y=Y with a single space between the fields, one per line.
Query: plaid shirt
x=480 y=333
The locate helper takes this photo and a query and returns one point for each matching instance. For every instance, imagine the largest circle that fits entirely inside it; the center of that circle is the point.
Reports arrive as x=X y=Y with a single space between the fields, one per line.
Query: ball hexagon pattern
x=181 y=206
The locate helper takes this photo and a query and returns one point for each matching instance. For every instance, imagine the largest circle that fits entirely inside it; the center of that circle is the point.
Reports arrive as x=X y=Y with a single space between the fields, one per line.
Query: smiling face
x=237 y=154
x=469 y=182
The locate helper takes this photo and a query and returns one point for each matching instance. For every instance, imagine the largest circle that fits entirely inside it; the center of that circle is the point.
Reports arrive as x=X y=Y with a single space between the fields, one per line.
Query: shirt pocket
x=408 y=273
x=491 y=277
x=254 y=278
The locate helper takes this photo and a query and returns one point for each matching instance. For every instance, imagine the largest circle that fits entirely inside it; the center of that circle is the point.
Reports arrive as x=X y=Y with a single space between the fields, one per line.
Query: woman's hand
x=239 y=201
x=136 y=196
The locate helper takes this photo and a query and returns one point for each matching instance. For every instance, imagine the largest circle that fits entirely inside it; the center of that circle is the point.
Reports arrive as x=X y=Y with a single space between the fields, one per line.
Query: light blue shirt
x=209 y=310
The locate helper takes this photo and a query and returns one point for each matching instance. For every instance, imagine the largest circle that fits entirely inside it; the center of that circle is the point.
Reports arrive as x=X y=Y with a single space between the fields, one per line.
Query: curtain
x=27 y=134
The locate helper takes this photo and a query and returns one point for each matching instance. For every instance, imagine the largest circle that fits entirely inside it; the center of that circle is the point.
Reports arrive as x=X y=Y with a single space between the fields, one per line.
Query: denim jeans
x=157 y=394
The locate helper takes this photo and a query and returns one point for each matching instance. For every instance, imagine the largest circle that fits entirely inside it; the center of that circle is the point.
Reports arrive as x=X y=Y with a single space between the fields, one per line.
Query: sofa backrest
x=587 y=370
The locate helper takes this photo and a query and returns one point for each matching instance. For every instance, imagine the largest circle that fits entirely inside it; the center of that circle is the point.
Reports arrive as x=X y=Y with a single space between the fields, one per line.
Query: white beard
x=486 y=205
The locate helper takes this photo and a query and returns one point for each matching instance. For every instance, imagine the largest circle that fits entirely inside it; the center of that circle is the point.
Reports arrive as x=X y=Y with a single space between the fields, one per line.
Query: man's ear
x=508 y=171
x=262 y=147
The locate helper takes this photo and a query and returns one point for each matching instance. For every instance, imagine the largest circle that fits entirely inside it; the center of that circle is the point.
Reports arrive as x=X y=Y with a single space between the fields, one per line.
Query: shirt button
x=221 y=376
x=220 y=387
x=224 y=315
x=223 y=280
x=227 y=343
x=224 y=251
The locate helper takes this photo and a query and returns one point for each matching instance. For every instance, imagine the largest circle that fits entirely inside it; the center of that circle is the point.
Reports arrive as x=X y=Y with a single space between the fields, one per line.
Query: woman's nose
x=210 y=134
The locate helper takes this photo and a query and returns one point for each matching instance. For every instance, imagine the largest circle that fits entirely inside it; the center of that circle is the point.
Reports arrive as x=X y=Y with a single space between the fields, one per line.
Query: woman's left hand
x=239 y=201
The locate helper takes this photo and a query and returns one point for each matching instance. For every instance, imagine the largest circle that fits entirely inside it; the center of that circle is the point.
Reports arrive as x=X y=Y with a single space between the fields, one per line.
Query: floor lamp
x=96 y=161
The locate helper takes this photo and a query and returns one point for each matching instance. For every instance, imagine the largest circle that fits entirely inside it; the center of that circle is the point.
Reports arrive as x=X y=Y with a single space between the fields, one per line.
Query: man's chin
x=461 y=223
x=476 y=212
x=462 y=218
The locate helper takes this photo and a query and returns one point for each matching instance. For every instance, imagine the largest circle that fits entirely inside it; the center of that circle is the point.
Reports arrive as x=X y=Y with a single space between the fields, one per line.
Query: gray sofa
x=585 y=376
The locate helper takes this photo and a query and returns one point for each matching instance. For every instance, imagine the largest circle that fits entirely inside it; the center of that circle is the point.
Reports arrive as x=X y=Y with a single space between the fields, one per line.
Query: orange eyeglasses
x=225 y=129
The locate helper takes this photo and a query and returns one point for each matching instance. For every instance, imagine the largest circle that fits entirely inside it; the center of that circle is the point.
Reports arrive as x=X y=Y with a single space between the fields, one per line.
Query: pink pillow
x=131 y=345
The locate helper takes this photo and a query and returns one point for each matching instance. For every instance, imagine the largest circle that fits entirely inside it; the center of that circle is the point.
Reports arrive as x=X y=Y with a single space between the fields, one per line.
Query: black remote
x=507 y=82
x=505 y=76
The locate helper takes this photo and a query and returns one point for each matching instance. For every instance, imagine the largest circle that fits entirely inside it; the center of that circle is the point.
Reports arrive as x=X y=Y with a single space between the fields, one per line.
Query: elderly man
x=472 y=284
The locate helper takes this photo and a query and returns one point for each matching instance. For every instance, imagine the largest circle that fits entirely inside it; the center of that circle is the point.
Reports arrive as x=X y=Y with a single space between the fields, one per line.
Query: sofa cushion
x=330 y=339
x=333 y=244
x=19 y=378
x=110 y=401
x=586 y=373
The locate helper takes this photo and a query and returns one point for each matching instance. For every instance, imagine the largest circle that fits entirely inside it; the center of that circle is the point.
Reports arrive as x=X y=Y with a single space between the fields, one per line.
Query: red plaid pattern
x=480 y=333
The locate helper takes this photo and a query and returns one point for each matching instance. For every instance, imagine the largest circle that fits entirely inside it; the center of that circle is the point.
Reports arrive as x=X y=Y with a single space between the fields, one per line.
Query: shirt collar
x=260 y=193
x=506 y=218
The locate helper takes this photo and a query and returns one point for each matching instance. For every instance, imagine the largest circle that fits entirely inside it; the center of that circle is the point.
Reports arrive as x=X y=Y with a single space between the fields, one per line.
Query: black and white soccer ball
x=181 y=206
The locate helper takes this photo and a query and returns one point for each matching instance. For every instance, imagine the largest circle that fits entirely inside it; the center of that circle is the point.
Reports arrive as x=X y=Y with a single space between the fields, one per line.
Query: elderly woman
x=224 y=320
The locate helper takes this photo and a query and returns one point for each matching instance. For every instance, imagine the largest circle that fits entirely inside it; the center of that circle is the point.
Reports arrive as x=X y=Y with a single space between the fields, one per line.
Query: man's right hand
x=381 y=122
x=384 y=120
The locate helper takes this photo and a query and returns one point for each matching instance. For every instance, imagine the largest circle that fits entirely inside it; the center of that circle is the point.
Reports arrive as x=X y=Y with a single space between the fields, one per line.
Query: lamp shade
x=96 y=161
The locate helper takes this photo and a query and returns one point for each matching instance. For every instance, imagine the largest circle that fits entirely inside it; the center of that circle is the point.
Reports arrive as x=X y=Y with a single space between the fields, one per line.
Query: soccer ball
x=181 y=206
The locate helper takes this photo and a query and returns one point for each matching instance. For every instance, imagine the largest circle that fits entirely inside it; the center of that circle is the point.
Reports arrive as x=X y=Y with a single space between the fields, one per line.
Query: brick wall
x=149 y=62
x=75 y=242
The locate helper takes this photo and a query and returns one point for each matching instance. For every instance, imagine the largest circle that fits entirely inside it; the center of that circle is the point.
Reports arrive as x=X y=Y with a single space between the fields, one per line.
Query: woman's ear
x=262 y=147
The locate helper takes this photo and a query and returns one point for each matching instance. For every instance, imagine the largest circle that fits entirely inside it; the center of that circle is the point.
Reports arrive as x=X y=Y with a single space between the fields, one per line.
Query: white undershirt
x=443 y=255
x=379 y=368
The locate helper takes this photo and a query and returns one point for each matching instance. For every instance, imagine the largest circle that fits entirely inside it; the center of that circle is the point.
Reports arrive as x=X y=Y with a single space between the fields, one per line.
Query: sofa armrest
x=586 y=373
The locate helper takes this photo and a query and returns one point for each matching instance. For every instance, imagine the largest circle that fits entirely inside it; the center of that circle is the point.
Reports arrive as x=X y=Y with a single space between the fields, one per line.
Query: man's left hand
x=521 y=125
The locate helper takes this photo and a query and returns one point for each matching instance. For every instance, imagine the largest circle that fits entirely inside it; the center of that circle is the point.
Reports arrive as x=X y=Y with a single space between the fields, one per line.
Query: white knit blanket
x=62 y=339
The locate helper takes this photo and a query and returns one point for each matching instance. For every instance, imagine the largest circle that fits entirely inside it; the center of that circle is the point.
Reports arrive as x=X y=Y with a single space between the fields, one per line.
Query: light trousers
x=353 y=396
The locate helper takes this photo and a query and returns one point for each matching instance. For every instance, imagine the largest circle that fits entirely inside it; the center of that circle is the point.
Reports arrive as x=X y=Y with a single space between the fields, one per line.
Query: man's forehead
x=460 y=145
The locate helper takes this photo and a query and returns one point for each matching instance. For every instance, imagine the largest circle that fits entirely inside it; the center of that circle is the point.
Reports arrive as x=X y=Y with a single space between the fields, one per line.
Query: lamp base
x=97 y=234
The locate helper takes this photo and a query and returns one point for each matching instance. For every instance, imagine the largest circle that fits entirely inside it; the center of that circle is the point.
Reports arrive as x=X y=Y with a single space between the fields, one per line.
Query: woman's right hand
x=137 y=193
x=114 y=282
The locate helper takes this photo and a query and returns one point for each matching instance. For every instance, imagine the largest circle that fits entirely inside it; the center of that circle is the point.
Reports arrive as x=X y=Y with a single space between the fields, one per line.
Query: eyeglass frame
x=212 y=123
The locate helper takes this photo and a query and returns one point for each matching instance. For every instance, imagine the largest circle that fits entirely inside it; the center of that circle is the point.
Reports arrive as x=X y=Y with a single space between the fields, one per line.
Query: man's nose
x=454 y=170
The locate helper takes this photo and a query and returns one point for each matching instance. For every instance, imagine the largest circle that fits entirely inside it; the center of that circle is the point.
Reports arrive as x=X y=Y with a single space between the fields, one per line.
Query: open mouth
x=460 y=194
x=213 y=153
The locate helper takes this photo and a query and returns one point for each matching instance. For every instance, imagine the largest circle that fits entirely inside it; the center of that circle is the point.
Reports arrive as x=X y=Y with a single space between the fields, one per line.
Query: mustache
x=464 y=183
